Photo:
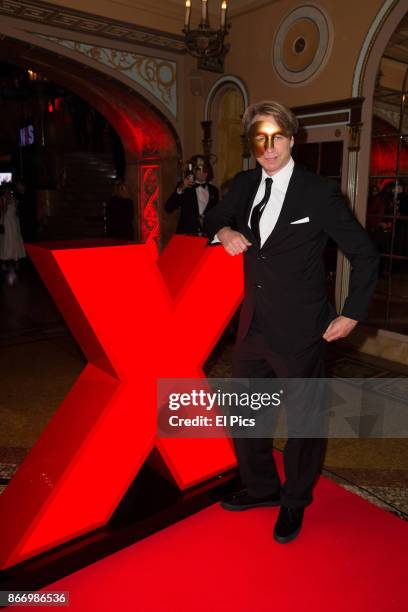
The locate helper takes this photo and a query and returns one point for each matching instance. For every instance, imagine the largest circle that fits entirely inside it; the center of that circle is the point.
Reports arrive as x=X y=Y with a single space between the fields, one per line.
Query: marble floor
x=40 y=362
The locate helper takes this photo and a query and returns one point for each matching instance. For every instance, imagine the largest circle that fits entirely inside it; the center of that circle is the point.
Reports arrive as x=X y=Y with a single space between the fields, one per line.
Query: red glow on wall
x=384 y=157
x=147 y=136
x=136 y=320
x=384 y=151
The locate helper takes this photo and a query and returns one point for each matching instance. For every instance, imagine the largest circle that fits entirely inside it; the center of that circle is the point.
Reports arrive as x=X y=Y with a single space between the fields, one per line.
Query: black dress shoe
x=288 y=524
x=243 y=501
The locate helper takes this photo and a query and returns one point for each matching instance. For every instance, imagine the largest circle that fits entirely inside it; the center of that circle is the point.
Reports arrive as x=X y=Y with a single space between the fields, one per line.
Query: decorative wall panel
x=149 y=201
x=46 y=13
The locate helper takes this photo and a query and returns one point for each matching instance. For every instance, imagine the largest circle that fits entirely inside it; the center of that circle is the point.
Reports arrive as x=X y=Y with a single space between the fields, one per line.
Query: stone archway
x=229 y=81
x=382 y=343
x=150 y=142
x=364 y=78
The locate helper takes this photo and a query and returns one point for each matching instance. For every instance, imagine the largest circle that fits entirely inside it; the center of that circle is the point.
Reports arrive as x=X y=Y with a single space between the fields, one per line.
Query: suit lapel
x=195 y=202
x=211 y=198
x=249 y=196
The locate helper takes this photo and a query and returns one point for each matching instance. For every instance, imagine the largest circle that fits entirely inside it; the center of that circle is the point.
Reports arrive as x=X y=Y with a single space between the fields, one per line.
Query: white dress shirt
x=274 y=205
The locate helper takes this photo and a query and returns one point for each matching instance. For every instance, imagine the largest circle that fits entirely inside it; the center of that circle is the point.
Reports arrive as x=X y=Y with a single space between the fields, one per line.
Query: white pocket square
x=304 y=220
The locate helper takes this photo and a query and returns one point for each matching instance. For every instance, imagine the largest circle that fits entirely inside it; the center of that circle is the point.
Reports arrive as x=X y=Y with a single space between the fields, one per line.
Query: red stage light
x=136 y=320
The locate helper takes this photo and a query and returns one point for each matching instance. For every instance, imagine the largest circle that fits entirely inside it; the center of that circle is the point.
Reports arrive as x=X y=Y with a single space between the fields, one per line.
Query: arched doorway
x=387 y=208
x=380 y=77
x=150 y=143
x=229 y=130
x=224 y=108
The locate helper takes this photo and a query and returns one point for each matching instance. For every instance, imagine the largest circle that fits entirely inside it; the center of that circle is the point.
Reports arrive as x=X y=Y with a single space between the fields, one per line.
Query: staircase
x=88 y=181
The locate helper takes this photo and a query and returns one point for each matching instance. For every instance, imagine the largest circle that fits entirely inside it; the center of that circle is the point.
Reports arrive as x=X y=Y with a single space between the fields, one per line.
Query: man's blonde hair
x=283 y=116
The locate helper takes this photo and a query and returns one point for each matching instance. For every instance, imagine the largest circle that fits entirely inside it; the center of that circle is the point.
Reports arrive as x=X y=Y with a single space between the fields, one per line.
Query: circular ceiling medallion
x=302 y=45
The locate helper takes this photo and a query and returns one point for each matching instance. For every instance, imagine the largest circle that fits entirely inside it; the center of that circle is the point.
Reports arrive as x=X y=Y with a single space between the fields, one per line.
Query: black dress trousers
x=302 y=457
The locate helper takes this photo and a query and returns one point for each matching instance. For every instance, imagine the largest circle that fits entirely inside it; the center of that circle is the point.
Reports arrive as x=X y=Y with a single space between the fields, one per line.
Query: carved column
x=149 y=182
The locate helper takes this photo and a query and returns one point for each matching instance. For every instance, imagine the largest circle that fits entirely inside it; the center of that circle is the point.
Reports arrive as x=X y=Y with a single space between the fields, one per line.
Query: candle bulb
x=223 y=13
x=204 y=10
x=188 y=12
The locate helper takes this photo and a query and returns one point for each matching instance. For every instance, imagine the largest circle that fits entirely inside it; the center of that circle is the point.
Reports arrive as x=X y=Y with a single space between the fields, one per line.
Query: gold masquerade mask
x=264 y=135
x=200 y=165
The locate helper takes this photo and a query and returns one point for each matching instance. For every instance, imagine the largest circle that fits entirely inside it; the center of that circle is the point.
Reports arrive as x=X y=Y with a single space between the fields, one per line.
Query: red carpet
x=350 y=556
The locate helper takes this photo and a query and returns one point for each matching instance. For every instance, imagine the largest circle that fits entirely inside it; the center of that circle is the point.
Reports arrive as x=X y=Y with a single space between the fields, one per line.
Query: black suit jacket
x=285 y=279
x=189 y=220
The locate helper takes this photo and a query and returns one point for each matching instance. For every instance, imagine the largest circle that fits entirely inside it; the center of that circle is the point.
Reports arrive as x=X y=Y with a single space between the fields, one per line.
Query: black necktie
x=259 y=208
x=204 y=185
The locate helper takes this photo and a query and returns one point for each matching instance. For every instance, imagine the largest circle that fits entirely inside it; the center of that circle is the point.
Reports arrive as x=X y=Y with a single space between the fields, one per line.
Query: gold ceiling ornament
x=302 y=45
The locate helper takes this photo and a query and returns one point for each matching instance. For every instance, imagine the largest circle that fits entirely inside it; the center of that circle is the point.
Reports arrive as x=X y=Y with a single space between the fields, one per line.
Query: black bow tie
x=204 y=185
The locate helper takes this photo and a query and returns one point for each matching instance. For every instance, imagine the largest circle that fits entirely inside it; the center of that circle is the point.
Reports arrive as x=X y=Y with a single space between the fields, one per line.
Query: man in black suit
x=195 y=196
x=280 y=217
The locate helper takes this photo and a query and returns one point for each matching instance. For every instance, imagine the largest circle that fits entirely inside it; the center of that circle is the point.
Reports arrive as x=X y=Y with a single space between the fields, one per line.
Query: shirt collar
x=282 y=177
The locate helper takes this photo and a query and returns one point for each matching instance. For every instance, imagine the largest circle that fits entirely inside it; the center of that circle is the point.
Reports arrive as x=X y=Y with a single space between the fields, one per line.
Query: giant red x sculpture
x=136 y=320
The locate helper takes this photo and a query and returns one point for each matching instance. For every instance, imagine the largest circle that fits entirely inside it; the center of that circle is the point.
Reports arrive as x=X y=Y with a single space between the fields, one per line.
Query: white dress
x=11 y=241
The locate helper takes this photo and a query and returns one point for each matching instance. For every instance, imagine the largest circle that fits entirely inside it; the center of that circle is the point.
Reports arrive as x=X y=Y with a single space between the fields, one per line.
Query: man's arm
x=174 y=201
x=220 y=221
x=233 y=242
x=177 y=197
x=340 y=224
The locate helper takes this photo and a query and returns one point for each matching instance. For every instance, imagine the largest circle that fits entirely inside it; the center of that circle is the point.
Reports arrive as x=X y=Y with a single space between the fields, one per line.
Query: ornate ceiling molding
x=78 y=21
x=156 y=75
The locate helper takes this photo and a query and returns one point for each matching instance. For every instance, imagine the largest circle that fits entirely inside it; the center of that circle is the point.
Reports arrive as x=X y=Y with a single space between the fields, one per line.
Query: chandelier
x=206 y=43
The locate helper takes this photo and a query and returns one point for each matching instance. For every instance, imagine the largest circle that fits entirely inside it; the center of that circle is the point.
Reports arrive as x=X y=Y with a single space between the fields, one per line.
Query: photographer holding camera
x=194 y=196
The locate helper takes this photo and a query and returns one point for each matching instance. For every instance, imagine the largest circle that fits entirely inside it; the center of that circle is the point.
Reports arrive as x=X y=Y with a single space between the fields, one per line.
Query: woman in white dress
x=11 y=241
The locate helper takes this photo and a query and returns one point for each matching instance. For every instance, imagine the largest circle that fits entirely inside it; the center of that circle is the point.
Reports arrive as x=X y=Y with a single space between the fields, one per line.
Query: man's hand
x=340 y=327
x=187 y=182
x=233 y=242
